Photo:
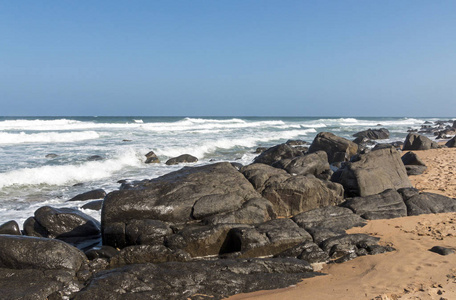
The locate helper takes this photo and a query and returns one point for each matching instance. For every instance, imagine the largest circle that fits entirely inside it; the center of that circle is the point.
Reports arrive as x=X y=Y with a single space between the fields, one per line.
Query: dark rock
x=24 y=252
x=415 y=170
x=32 y=284
x=308 y=251
x=340 y=246
x=146 y=232
x=238 y=166
x=451 y=143
x=200 y=241
x=254 y=211
x=78 y=184
x=151 y=158
x=295 y=142
x=337 y=148
x=429 y=203
x=289 y=194
x=383 y=146
x=361 y=140
x=314 y=163
x=331 y=217
x=90 y=195
x=398 y=144
x=147 y=254
x=11 y=228
x=191 y=280
x=51 y=155
x=410 y=158
x=372 y=173
x=93 y=205
x=454 y=124
x=101 y=252
x=94 y=158
x=267 y=239
x=260 y=150
x=184 y=158
x=276 y=153
x=386 y=205
x=172 y=197
x=64 y=222
x=442 y=250
x=415 y=141
x=374 y=134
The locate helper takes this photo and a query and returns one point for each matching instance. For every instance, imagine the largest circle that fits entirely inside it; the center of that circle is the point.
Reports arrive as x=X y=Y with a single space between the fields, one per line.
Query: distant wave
x=210 y=146
x=69 y=174
x=47 y=137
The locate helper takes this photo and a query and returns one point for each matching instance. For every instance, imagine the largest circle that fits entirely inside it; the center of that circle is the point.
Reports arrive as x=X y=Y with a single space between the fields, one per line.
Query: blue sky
x=228 y=58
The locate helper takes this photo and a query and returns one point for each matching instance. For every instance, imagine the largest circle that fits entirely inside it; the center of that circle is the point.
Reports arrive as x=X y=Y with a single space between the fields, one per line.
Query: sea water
x=29 y=179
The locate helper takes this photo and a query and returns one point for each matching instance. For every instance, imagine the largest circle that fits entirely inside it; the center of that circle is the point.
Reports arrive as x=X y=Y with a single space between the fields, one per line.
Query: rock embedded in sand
x=373 y=173
x=426 y=203
x=90 y=195
x=451 y=143
x=184 y=158
x=386 y=205
x=415 y=141
x=442 y=250
x=337 y=148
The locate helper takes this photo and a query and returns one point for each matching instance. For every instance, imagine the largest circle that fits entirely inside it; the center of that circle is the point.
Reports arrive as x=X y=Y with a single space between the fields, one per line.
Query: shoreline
x=410 y=272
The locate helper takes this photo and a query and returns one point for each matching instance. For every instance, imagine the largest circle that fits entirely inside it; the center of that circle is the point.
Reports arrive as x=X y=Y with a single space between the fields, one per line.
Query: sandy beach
x=410 y=272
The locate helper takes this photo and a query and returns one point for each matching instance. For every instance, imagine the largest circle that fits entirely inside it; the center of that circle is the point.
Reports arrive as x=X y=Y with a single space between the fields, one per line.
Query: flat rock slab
x=195 y=280
x=442 y=250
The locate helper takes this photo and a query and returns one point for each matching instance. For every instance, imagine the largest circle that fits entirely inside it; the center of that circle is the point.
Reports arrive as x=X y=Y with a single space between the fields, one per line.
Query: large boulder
x=314 y=163
x=372 y=173
x=184 y=158
x=179 y=197
x=61 y=223
x=152 y=158
x=426 y=203
x=415 y=141
x=277 y=153
x=142 y=254
x=289 y=194
x=90 y=195
x=451 y=143
x=11 y=228
x=24 y=252
x=374 y=134
x=195 y=280
x=270 y=238
x=386 y=205
x=410 y=158
x=337 y=148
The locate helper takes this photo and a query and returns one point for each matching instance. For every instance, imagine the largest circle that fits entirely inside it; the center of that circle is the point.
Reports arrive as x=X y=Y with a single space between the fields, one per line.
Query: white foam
x=209 y=146
x=47 y=137
x=139 y=121
x=69 y=174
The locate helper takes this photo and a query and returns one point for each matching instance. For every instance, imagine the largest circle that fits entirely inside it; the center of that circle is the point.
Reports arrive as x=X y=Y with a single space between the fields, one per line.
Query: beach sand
x=410 y=272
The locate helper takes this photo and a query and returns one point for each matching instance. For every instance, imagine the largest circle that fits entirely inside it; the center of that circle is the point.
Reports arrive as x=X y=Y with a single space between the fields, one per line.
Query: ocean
x=29 y=179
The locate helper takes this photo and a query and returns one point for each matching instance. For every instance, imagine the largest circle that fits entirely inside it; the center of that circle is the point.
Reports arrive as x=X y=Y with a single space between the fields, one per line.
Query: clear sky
x=228 y=58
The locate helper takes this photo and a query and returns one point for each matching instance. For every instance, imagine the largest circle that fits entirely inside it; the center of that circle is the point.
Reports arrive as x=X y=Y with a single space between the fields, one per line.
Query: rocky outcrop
x=413 y=164
x=314 y=164
x=142 y=254
x=197 y=193
x=426 y=203
x=213 y=279
x=24 y=252
x=415 y=141
x=277 y=153
x=337 y=148
x=93 y=205
x=90 y=195
x=11 y=228
x=373 y=173
x=267 y=239
x=373 y=134
x=451 y=143
x=152 y=158
x=184 y=158
x=386 y=205
x=289 y=194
